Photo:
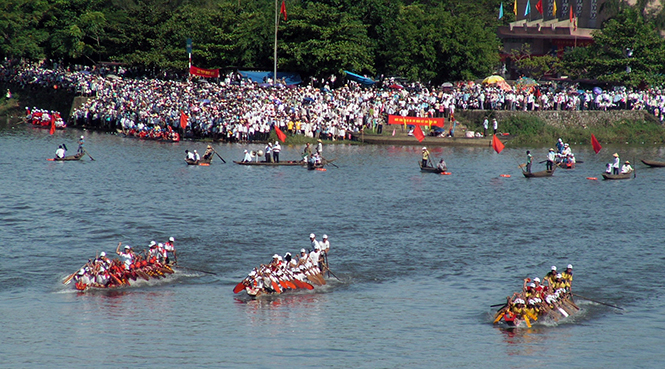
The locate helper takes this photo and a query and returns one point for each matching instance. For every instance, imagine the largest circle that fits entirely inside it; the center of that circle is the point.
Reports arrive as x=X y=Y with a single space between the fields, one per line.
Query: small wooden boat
x=429 y=169
x=542 y=173
x=203 y=162
x=653 y=163
x=619 y=176
x=68 y=158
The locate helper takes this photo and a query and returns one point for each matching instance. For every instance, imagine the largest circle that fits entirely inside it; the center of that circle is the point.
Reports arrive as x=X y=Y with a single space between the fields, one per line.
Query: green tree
x=20 y=30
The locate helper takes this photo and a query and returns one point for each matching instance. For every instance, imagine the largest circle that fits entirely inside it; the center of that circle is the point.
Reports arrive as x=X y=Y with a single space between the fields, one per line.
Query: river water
x=420 y=257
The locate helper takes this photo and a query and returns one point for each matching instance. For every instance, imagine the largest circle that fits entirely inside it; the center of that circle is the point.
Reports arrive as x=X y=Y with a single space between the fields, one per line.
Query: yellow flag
x=554 y=9
x=515 y=8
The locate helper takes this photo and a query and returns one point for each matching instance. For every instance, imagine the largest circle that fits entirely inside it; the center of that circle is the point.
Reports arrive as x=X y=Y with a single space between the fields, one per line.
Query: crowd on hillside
x=235 y=109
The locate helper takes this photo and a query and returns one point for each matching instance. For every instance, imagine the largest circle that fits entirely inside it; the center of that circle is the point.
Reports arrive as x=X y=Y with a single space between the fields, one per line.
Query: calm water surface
x=420 y=257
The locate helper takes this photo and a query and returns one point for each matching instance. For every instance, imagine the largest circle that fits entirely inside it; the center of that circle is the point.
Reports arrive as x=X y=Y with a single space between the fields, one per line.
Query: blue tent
x=359 y=78
x=258 y=76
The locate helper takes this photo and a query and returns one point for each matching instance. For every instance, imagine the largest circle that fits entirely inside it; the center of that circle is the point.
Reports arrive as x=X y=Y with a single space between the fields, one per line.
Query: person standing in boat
x=314 y=242
x=626 y=168
x=268 y=152
x=325 y=244
x=60 y=152
x=551 y=157
x=307 y=152
x=275 y=152
x=170 y=248
x=319 y=147
x=81 y=143
x=126 y=256
x=426 y=154
x=617 y=163
x=529 y=161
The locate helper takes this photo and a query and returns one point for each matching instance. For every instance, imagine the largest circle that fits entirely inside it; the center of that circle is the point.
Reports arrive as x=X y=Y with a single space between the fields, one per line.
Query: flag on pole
x=539 y=7
x=571 y=15
x=528 y=8
x=418 y=133
x=501 y=11
x=52 y=130
x=497 y=145
x=595 y=144
x=554 y=9
x=280 y=134
x=183 y=119
x=282 y=10
x=515 y=8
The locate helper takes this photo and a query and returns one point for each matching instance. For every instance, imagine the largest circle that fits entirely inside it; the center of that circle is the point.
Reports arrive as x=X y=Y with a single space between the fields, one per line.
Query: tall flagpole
x=274 y=76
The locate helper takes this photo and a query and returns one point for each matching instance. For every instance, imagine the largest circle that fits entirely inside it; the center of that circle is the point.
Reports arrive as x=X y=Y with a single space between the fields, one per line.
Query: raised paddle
x=598 y=302
x=224 y=161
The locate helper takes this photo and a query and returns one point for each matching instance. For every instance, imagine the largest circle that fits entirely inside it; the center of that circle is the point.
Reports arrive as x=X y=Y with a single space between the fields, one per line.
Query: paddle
x=86 y=152
x=527 y=321
x=330 y=271
x=333 y=164
x=598 y=302
x=497 y=305
x=239 y=287
x=224 y=161
x=69 y=279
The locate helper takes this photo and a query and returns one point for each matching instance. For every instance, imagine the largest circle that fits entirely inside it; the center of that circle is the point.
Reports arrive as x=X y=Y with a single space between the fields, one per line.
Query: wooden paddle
x=224 y=161
x=598 y=302
x=69 y=279
x=527 y=321
x=86 y=152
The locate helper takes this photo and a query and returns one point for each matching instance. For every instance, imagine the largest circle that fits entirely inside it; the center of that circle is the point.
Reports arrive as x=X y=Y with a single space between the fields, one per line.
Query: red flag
x=571 y=14
x=539 y=7
x=52 y=130
x=497 y=145
x=280 y=134
x=283 y=9
x=183 y=119
x=595 y=144
x=418 y=133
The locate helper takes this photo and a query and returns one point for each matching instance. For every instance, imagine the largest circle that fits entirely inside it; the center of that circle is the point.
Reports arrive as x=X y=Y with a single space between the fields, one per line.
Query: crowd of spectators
x=234 y=109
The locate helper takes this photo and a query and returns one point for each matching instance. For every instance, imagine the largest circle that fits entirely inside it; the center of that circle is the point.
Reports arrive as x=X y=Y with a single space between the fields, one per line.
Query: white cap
x=570 y=266
x=279 y=258
x=312 y=235
x=536 y=279
x=302 y=250
x=160 y=244
x=424 y=148
x=127 y=247
x=153 y=243
x=275 y=256
x=287 y=254
x=171 y=239
x=553 y=267
x=325 y=236
x=252 y=273
x=81 y=137
x=531 y=285
x=102 y=254
x=316 y=247
x=82 y=271
x=558 y=275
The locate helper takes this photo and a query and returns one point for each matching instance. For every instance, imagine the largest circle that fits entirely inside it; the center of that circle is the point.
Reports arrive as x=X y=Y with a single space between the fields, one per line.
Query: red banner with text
x=208 y=73
x=415 y=121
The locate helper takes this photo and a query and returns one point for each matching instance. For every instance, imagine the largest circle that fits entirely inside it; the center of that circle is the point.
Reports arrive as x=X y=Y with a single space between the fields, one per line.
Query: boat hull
x=543 y=173
x=618 y=176
x=653 y=163
x=68 y=158
x=430 y=169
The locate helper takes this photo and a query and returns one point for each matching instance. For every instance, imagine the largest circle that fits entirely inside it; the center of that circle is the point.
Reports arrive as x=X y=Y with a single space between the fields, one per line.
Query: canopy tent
x=258 y=76
x=493 y=79
x=358 y=78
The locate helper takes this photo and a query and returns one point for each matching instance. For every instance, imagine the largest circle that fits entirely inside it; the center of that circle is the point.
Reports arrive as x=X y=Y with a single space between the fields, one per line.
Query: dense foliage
x=426 y=40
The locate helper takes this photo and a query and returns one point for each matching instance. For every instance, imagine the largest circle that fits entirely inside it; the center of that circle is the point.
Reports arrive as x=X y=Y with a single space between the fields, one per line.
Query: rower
x=550 y=277
x=616 y=164
x=208 y=154
x=81 y=142
x=315 y=243
x=268 y=152
x=169 y=247
x=626 y=168
x=441 y=166
x=529 y=160
x=126 y=256
x=60 y=152
x=154 y=252
x=247 y=158
x=425 y=157
x=275 y=152
x=568 y=276
x=189 y=155
x=325 y=244
x=551 y=156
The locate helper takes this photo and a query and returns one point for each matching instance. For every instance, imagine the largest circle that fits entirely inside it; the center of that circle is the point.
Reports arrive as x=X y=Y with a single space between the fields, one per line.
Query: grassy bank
x=534 y=131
